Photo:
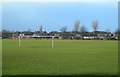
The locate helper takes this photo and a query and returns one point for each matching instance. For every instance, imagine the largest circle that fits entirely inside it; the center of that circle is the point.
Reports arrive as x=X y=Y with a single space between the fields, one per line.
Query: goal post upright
x=19 y=40
x=52 y=41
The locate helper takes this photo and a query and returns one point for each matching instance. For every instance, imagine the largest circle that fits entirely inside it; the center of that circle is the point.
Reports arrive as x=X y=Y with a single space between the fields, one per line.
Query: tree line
x=77 y=29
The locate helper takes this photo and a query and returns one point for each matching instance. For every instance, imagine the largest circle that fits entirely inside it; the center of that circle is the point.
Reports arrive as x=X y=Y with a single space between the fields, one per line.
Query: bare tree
x=83 y=29
x=76 y=26
x=29 y=30
x=95 y=25
x=117 y=30
x=41 y=29
x=6 y=34
x=63 y=29
x=108 y=30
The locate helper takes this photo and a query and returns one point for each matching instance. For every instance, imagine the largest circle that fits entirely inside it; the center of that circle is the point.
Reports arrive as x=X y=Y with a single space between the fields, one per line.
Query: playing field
x=68 y=57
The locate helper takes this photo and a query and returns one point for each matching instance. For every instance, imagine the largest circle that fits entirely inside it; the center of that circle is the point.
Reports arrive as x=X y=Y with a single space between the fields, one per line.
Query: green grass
x=68 y=57
x=0 y=57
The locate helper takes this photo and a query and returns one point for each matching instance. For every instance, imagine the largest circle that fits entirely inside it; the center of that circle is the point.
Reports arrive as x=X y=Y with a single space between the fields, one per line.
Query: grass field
x=68 y=57
x=0 y=57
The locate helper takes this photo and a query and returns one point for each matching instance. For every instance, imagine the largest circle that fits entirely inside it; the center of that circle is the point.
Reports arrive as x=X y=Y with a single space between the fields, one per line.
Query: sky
x=22 y=16
x=59 y=0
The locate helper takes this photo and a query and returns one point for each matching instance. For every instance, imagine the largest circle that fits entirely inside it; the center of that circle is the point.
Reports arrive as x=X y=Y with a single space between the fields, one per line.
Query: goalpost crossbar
x=20 y=36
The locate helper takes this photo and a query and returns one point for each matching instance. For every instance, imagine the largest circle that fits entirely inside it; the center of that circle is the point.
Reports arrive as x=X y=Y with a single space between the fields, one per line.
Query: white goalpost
x=20 y=36
x=19 y=40
x=52 y=41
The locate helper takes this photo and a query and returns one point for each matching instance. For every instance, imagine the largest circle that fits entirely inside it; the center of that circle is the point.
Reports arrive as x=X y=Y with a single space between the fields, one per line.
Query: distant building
x=14 y=36
x=99 y=35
